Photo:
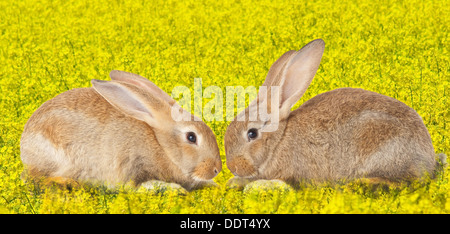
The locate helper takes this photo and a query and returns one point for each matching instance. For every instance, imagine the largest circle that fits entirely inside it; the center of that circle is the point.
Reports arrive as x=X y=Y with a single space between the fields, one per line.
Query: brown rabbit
x=342 y=134
x=117 y=132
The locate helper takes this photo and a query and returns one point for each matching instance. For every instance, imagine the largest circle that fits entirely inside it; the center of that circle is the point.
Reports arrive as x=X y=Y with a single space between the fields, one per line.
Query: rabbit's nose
x=232 y=167
x=218 y=167
x=240 y=166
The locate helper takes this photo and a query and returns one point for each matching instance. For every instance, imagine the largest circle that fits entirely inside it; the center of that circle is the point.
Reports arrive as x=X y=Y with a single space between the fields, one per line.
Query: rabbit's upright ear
x=273 y=76
x=134 y=102
x=297 y=74
x=273 y=79
x=141 y=82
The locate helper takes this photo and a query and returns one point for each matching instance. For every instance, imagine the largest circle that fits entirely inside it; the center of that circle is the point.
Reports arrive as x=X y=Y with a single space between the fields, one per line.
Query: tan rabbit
x=338 y=135
x=116 y=132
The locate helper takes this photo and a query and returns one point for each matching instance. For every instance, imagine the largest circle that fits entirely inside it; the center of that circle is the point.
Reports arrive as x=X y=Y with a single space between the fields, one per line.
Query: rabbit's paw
x=238 y=182
x=162 y=187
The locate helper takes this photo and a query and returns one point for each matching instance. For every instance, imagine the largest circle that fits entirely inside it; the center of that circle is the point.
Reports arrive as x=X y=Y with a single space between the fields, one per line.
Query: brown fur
x=366 y=144
x=241 y=165
x=79 y=135
x=342 y=134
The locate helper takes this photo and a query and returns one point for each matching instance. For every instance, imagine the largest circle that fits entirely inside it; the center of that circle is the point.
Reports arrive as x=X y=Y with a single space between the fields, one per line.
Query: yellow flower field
x=396 y=48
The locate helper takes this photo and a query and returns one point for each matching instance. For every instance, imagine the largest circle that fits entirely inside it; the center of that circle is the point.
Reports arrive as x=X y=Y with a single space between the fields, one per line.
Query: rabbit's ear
x=276 y=68
x=291 y=73
x=133 y=102
x=298 y=74
x=141 y=82
x=273 y=78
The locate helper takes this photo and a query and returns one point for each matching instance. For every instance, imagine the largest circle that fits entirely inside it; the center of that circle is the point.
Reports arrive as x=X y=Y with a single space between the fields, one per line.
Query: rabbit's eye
x=252 y=133
x=191 y=137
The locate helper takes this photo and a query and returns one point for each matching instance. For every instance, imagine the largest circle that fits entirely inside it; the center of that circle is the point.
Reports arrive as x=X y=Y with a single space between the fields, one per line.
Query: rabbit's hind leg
x=377 y=184
x=60 y=182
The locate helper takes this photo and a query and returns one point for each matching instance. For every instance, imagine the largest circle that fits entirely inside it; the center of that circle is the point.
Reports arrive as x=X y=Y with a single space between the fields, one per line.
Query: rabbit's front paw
x=238 y=182
x=161 y=187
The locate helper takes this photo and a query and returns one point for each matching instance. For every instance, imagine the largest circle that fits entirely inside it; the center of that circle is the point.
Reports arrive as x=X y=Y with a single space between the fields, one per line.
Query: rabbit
x=119 y=132
x=340 y=135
